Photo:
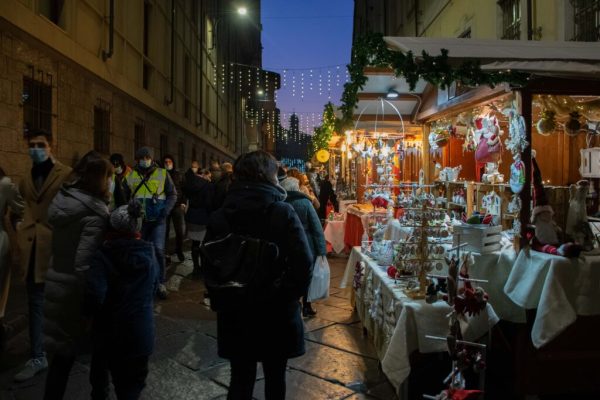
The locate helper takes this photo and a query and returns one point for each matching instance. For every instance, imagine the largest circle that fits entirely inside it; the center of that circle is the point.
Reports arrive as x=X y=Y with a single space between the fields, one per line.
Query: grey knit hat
x=290 y=184
x=144 y=152
x=126 y=218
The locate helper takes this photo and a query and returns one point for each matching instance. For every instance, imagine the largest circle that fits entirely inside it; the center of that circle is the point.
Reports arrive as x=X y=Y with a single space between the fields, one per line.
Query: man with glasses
x=34 y=236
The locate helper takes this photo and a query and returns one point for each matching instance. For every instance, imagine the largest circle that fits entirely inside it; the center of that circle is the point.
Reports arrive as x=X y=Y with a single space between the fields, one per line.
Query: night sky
x=300 y=35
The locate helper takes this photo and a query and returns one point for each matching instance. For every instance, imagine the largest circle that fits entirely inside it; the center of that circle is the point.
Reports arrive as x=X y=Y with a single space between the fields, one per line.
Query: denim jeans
x=35 y=297
x=177 y=216
x=35 y=301
x=154 y=232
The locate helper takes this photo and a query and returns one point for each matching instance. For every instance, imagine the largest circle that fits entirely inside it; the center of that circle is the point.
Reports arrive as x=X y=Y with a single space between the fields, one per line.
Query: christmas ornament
x=547 y=123
x=573 y=125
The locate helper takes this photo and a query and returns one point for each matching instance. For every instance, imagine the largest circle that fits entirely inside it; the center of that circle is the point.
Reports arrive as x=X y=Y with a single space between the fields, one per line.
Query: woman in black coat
x=326 y=194
x=200 y=192
x=254 y=205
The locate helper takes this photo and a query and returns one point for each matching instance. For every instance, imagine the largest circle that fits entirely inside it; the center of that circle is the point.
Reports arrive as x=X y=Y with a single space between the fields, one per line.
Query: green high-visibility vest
x=154 y=186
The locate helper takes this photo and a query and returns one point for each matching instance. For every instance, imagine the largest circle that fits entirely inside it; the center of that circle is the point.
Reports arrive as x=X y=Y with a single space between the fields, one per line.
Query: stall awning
x=548 y=58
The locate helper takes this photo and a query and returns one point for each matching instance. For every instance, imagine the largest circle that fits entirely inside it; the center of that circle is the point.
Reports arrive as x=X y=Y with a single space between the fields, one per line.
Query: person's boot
x=196 y=273
x=308 y=311
x=180 y=256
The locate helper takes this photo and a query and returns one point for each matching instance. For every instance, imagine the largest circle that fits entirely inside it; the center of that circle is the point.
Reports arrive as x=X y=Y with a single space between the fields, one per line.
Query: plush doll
x=489 y=147
x=547 y=233
x=578 y=228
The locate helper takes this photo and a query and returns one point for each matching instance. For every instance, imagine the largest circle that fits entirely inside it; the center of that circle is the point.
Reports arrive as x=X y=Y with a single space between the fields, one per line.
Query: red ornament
x=391 y=271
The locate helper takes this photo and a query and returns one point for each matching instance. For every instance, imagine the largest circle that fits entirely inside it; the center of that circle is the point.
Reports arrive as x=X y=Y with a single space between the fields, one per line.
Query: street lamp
x=241 y=11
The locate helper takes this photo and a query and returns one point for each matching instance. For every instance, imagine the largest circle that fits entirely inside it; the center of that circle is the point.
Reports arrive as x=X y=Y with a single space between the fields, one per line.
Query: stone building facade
x=58 y=72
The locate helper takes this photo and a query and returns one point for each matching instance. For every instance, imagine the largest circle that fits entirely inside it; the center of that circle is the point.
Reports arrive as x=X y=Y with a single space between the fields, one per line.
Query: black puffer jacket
x=79 y=221
x=276 y=330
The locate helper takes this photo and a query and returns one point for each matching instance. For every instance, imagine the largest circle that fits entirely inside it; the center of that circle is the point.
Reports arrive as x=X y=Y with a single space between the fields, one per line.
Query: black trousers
x=177 y=216
x=243 y=376
x=58 y=376
x=128 y=375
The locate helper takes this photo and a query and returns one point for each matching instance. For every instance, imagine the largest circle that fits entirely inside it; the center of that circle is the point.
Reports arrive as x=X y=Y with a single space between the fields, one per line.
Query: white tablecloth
x=399 y=324
x=397 y=232
x=334 y=234
x=560 y=289
x=495 y=268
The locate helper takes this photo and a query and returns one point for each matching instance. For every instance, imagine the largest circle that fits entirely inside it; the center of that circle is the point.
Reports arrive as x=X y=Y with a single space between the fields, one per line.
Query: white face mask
x=119 y=170
x=194 y=170
x=169 y=167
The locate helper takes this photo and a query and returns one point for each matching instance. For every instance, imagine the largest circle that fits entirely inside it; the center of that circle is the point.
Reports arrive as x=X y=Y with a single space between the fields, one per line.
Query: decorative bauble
x=322 y=155
x=547 y=123
x=391 y=271
x=439 y=138
x=379 y=170
x=573 y=125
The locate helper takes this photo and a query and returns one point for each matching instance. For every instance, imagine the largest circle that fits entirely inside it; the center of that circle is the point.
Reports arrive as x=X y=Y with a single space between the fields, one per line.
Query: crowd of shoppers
x=92 y=240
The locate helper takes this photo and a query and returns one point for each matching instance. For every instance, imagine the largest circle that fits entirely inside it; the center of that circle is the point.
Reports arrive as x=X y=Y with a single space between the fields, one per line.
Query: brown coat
x=35 y=225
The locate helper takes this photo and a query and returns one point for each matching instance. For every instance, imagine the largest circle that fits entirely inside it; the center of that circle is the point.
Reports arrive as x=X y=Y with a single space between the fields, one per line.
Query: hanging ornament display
x=547 y=123
x=573 y=125
x=517 y=140
x=439 y=137
x=517 y=174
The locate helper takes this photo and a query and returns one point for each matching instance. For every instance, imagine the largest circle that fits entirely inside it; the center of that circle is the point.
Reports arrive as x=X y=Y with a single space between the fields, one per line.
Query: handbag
x=319 y=284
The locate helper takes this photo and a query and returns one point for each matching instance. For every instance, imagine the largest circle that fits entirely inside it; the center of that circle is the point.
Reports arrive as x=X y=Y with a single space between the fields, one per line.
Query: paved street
x=340 y=362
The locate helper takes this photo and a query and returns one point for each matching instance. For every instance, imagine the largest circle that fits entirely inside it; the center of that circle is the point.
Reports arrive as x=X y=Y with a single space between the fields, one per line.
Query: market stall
x=484 y=108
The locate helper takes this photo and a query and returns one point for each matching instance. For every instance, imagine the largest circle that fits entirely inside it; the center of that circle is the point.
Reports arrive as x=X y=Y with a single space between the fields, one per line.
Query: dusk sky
x=300 y=35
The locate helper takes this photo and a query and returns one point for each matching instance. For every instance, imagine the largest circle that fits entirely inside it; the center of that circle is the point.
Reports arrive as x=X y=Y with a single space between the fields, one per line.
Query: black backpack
x=240 y=270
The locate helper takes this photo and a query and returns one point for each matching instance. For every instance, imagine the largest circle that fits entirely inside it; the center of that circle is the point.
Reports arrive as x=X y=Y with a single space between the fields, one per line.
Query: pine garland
x=371 y=50
x=324 y=132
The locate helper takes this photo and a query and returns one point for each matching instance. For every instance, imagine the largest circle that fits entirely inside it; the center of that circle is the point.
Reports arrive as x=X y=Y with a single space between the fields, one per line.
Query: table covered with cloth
x=559 y=288
x=334 y=234
x=399 y=325
x=357 y=221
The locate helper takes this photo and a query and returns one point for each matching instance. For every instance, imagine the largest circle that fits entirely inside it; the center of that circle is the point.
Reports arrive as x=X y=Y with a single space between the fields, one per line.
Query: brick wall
x=75 y=92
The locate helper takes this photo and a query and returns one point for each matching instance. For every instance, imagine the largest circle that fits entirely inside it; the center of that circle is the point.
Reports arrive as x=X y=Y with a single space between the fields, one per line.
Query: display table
x=357 y=220
x=334 y=234
x=559 y=288
x=399 y=325
x=344 y=204
x=495 y=268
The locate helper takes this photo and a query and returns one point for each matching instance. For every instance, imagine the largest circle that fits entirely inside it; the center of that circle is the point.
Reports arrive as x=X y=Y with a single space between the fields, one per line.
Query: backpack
x=240 y=270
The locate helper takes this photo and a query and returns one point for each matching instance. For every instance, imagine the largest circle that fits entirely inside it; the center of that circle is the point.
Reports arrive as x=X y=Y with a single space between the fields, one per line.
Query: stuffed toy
x=547 y=233
x=489 y=146
x=578 y=229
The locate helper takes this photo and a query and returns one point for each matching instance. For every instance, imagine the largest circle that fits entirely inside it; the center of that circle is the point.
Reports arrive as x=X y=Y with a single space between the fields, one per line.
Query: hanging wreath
x=547 y=123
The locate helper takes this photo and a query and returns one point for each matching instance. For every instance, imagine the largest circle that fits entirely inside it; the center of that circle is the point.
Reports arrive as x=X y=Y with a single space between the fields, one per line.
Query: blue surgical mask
x=145 y=163
x=38 y=155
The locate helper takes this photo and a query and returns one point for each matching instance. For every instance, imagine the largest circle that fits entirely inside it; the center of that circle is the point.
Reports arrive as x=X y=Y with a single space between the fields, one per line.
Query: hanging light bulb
x=344 y=147
x=349 y=155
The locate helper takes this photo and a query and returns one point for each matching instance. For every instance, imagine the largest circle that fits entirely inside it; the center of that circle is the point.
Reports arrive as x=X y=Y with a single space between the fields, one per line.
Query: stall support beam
x=526 y=112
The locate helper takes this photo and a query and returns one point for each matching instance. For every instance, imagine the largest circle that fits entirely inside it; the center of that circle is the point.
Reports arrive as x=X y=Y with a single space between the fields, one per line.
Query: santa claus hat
x=540 y=202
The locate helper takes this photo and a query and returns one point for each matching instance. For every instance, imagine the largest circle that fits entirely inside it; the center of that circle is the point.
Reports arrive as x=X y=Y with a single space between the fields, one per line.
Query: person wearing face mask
x=178 y=211
x=34 y=237
x=118 y=197
x=152 y=187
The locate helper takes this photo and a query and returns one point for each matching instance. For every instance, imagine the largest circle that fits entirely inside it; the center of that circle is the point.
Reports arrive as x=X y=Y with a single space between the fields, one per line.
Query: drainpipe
x=169 y=101
x=111 y=34
x=416 y=18
x=529 y=20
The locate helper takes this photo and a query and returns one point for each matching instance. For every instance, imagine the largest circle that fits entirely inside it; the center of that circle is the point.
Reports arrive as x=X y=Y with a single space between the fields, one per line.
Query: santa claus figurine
x=547 y=232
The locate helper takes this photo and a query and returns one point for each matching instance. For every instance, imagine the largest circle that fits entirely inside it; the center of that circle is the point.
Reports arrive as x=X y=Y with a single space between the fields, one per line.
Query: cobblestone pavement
x=340 y=362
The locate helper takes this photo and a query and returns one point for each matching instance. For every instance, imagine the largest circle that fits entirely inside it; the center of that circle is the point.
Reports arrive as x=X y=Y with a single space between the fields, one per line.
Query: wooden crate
x=480 y=239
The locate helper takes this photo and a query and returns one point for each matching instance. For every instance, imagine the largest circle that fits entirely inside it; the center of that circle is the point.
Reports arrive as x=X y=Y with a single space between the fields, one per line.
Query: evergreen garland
x=324 y=132
x=371 y=50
